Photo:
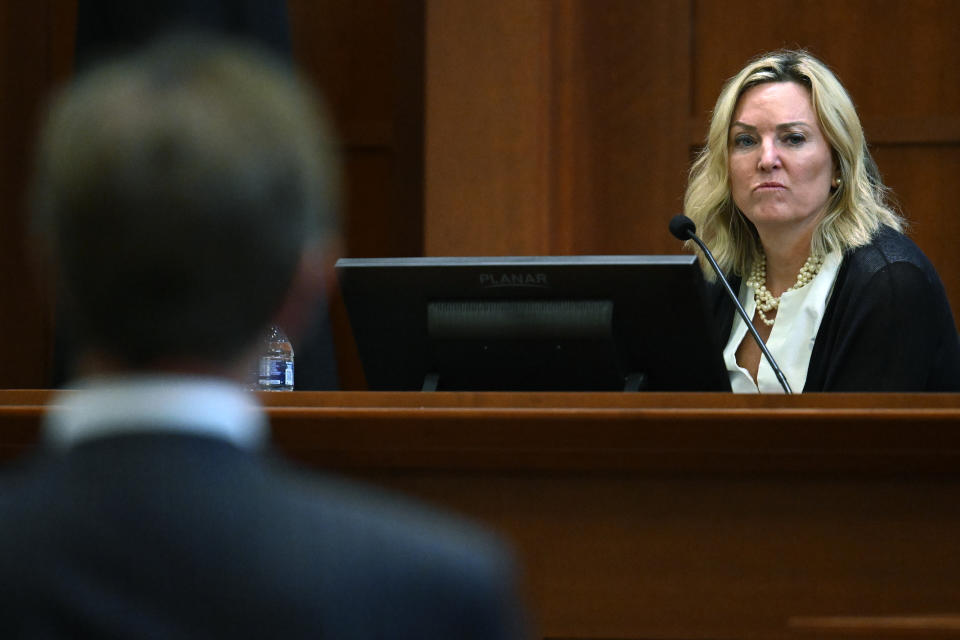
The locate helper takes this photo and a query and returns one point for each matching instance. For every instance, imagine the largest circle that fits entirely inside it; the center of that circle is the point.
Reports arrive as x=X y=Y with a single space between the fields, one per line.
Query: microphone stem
x=743 y=314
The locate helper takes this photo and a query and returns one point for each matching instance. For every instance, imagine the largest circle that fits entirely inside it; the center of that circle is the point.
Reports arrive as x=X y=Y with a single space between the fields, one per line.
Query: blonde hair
x=855 y=210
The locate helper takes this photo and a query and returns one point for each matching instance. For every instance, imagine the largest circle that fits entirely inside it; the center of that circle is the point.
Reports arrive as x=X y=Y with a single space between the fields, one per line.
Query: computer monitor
x=548 y=323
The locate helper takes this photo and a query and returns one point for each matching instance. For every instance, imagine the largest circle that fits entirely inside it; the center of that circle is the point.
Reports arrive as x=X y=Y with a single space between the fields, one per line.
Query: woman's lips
x=771 y=186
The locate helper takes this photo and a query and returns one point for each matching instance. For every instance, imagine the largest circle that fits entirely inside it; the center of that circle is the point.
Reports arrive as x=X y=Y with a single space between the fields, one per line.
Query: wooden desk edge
x=591 y=432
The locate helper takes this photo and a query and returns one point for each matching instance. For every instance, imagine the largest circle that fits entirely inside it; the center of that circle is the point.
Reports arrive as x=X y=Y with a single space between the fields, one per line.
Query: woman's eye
x=742 y=140
x=794 y=138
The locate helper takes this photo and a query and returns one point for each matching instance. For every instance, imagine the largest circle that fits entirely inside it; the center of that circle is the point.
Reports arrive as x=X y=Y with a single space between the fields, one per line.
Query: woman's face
x=780 y=164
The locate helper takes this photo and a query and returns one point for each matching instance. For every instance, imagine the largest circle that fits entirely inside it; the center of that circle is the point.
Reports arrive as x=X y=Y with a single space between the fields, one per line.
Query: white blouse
x=792 y=336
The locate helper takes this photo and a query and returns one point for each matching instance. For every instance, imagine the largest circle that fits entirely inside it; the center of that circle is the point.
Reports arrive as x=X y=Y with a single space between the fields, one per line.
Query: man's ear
x=313 y=279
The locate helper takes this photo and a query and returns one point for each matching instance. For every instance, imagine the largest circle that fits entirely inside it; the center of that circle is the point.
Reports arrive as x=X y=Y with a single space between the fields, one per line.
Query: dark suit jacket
x=174 y=536
x=887 y=326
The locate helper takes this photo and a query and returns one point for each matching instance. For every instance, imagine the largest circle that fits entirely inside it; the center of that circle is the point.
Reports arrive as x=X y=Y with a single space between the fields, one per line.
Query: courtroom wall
x=365 y=55
x=36 y=42
x=567 y=126
x=532 y=126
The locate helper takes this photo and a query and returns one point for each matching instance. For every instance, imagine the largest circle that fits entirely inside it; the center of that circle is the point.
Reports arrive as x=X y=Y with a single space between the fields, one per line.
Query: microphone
x=683 y=228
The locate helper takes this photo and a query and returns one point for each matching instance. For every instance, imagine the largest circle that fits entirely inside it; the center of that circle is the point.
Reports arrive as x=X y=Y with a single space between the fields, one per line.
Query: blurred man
x=113 y=27
x=186 y=201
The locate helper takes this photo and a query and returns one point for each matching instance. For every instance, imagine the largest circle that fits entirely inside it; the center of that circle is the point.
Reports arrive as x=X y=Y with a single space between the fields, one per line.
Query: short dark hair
x=177 y=189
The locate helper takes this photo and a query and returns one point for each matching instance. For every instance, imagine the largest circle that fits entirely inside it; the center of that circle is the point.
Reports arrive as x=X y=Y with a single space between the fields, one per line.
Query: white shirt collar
x=791 y=339
x=100 y=407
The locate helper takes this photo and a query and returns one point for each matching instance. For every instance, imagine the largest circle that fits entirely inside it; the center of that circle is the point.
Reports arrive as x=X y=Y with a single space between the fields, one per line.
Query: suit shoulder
x=395 y=529
x=415 y=566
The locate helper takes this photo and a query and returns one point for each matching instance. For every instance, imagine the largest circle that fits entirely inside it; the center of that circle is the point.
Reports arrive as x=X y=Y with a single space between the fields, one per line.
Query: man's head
x=178 y=191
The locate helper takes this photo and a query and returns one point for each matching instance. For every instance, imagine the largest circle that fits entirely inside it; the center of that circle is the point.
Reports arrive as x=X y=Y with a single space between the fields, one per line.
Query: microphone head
x=682 y=227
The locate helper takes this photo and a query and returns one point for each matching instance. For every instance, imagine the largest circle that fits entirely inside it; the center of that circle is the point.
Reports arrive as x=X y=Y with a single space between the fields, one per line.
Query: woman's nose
x=769 y=156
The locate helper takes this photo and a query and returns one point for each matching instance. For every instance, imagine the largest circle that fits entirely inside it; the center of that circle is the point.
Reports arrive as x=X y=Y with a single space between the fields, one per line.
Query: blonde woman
x=787 y=196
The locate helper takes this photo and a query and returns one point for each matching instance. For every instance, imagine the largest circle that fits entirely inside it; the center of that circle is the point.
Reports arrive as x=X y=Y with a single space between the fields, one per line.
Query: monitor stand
x=431 y=381
x=635 y=382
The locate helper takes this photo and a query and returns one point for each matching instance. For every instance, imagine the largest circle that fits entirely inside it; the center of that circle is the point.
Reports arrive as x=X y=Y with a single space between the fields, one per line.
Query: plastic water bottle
x=276 y=362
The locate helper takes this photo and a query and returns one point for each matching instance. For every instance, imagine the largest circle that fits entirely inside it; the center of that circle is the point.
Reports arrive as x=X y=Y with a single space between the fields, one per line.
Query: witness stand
x=666 y=515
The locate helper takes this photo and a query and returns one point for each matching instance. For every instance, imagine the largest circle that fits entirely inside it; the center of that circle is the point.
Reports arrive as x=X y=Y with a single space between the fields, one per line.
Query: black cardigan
x=887 y=325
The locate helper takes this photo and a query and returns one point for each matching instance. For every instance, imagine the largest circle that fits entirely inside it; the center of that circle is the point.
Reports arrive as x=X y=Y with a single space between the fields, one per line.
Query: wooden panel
x=555 y=127
x=347 y=48
x=616 y=543
x=367 y=59
x=486 y=127
x=655 y=548
x=705 y=556
x=668 y=515
x=35 y=52
x=619 y=148
x=893 y=57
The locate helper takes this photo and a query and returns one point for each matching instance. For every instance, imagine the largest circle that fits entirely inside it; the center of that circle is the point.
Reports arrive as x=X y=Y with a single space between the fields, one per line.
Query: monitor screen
x=547 y=323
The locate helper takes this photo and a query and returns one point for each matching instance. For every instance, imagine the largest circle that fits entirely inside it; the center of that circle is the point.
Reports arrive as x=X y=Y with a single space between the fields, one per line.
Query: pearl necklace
x=758 y=280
